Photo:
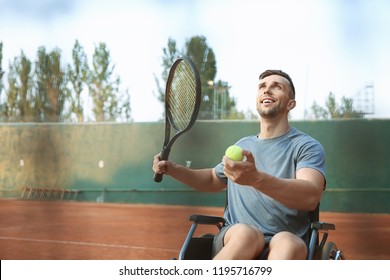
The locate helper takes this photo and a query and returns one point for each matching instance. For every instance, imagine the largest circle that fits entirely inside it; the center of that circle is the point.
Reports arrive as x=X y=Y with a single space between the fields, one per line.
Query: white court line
x=87 y=244
x=24 y=227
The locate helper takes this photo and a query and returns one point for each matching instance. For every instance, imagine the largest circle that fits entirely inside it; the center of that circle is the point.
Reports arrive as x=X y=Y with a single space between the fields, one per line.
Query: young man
x=271 y=192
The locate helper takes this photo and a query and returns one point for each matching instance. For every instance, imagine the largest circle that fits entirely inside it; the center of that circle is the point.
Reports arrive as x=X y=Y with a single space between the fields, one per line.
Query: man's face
x=273 y=96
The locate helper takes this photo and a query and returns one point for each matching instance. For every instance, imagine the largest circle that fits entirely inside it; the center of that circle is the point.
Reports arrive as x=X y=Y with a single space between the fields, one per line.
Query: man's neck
x=271 y=128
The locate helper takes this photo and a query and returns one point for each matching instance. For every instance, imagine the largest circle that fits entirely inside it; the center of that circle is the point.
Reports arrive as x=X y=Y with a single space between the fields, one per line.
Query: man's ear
x=291 y=104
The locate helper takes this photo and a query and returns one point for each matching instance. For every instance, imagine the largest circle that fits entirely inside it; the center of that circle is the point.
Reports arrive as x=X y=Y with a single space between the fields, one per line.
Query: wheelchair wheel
x=330 y=251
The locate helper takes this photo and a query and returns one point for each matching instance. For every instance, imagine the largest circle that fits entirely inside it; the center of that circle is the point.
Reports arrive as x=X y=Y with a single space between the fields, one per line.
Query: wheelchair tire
x=329 y=252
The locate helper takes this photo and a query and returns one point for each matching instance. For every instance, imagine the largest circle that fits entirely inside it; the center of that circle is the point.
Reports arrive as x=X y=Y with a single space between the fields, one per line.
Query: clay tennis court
x=102 y=231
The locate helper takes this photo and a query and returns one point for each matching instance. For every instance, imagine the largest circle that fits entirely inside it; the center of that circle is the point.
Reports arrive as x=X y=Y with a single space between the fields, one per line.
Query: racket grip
x=164 y=156
x=158 y=177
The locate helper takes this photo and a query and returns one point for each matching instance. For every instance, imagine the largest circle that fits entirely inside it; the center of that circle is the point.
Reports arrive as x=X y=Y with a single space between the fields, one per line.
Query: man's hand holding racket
x=161 y=166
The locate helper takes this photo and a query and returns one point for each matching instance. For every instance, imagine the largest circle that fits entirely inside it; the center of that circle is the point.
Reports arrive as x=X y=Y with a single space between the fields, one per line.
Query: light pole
x=219 y=106
x=224 y=96
x=210 y=83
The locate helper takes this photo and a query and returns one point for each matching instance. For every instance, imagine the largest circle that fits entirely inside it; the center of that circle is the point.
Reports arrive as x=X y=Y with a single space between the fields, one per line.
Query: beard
x=269 y=113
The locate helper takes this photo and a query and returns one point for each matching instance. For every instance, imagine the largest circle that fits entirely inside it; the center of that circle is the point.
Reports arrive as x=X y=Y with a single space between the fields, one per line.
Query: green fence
x=112 y=162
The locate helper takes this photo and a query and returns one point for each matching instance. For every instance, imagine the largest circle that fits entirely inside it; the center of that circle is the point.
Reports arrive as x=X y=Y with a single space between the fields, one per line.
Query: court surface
x=36 y=230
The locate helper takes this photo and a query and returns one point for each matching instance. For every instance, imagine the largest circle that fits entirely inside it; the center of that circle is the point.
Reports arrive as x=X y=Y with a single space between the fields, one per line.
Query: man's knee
x=286 y=245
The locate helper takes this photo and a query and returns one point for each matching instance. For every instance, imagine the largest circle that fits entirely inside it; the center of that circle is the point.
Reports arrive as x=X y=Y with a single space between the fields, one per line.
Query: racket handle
x=158 y=177
x=164 y=156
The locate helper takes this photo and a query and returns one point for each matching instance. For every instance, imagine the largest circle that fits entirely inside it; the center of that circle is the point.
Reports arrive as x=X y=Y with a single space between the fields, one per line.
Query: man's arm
x=302 y=193
x=199 y=179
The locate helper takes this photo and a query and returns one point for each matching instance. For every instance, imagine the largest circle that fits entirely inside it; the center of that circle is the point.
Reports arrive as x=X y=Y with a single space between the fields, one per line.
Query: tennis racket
x=182 y=102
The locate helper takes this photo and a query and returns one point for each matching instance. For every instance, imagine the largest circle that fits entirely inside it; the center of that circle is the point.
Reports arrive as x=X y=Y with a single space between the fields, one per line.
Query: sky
x=338 y=46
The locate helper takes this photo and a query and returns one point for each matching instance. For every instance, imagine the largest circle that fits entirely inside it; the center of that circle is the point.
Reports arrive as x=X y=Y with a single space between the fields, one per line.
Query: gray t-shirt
x=280 y=157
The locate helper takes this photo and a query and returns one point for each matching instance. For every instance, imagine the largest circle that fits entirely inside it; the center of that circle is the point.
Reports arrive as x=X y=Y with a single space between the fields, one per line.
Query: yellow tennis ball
x=234 y=153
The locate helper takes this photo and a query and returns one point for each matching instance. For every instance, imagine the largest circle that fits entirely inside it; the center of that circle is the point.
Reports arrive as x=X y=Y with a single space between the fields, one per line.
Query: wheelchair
x=200 y=247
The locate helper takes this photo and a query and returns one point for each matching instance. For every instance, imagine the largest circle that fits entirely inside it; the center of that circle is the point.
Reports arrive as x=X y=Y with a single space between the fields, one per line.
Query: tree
x=333 y=110
x=19 y=92
x=24 y=69
x=204 y=59
x=102 y=86
x=1 y=77
x=51 y=82
x=77 y=75
x=124 y=108
x=332 y=106
x=170 y=54
x=216 y=100
x=319 y=112
x=1 y=69
x=348 y=111
x=9 y=107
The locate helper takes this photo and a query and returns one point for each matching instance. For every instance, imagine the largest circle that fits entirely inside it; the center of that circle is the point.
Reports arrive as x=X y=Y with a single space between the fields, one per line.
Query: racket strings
x=182 y=96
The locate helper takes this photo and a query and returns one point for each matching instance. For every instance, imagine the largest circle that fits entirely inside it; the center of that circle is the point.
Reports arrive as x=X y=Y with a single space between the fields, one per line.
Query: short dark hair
x=267 y=73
